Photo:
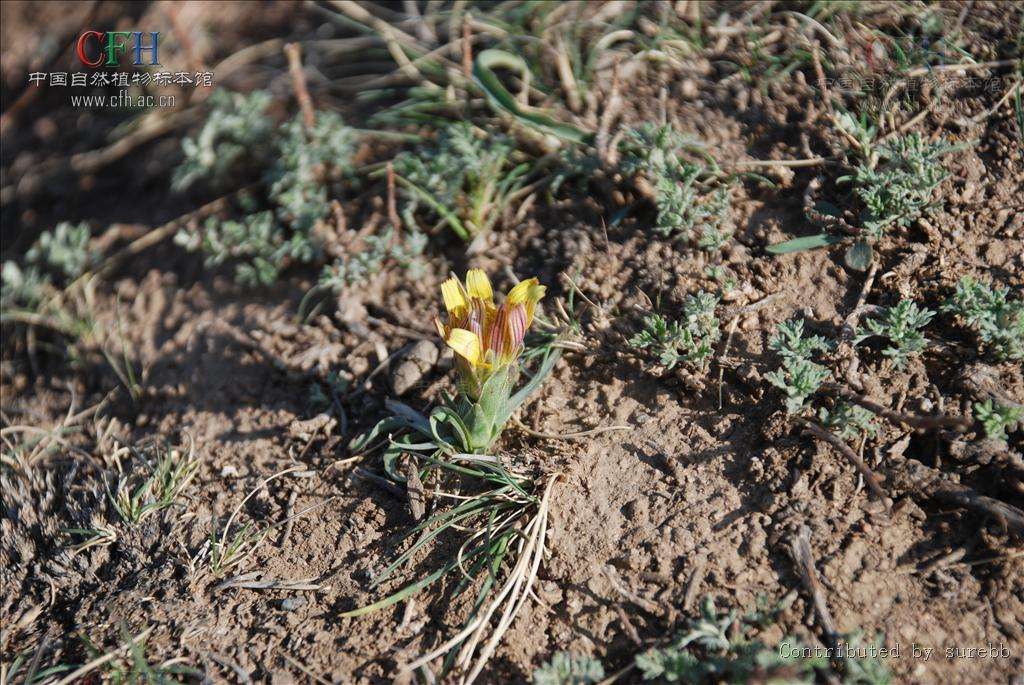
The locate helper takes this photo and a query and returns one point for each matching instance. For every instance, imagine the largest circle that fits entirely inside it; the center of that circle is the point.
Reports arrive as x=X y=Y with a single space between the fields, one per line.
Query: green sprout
x=466 y=180
x=718 y=648
x=690 y=339
x=798 y=377
x=848 y=421
x=60 y=256
x=136 y=498
x=997 y=320
x=900 y=187
x=789 y=341
x=377 y=250
x=235 y=127
x=998 y=419
x=894 y=182
x=569 y=669
x=687 y=206
x=901 y=326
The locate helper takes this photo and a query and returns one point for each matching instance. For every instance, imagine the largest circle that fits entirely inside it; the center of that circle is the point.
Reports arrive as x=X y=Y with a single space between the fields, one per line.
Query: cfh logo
x=106 y=47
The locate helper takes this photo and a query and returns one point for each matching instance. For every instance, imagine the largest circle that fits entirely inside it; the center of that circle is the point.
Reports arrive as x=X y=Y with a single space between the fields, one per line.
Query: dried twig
x=800 y=550
x=931 y=483
x=294 y=54
x=853 y=457
x=959 y=423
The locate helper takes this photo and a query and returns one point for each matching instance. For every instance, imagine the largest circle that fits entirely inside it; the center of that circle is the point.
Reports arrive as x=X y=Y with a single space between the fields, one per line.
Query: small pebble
x=293 y=603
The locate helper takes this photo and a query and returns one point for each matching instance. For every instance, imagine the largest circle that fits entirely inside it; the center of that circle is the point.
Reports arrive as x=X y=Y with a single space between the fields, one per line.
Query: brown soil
x=702 y=495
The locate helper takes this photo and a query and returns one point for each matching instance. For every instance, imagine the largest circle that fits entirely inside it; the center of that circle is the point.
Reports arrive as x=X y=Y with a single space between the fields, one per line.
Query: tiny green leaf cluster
x=997 y=320
x=713 y=650
x=465 y=179
x=687 y=207
x=690 y=339
x=848 y=421
x=901 y=325
x=998 y=419
x=569 y=669
x=799 y=377
x=899 y=188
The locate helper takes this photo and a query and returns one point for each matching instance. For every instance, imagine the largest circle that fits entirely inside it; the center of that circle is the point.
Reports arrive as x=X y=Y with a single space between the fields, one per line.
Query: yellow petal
x=521 y=291
x=465 y=344
x=478 y=285
x=451 y=291
x=528 y=292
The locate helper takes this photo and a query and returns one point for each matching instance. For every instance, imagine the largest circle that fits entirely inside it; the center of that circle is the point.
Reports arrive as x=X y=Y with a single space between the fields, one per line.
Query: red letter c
x=81 y=49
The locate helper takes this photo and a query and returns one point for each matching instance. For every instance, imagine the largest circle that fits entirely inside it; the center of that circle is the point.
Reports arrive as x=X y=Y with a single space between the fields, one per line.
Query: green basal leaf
x=809 y=242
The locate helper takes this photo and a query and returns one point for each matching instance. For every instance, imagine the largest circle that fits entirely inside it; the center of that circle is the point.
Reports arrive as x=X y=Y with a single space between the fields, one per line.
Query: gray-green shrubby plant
x=21 y=287
x=569 y=669
x=899 y=188
x=901 y=325
x=866 y=669
x=997 y=320
x=301 y=164
x=687 y=207
x=690 y=339
x=848 y=421
x=799 y=377
x=58 y=256
x=789 y=341
x=465 y=180
x=236 y=128
x=718 y=648
x=998 y=419
x=65 y=251
x=893 y=180
x=406 y=251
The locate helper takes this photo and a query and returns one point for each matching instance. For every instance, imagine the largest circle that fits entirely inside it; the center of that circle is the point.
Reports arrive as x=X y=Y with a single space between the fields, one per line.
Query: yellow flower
x=486 y=338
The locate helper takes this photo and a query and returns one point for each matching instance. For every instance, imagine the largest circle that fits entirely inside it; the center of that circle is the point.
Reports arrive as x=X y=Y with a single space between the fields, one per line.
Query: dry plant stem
x=294 y=55
x=612 y=109
x=536 y=549
x=153 y=125
x=930 y=483
x=693 y=584
x=979 y=66
x=645 y=604
x=791 y=163
x=184 y=37
x=844 y=449
x=1009 y=517
x=958 y=423
x=467 y=48
x=800 y=550
x=569 y=436
x=977 y=119
x=309 y=674
x=531 y=545
x=819 y=73
x=393 y=203
x=394 y=39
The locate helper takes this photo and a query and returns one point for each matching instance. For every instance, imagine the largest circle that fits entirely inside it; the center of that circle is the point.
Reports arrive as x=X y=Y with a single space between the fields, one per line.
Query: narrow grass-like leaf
x=499 y=97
